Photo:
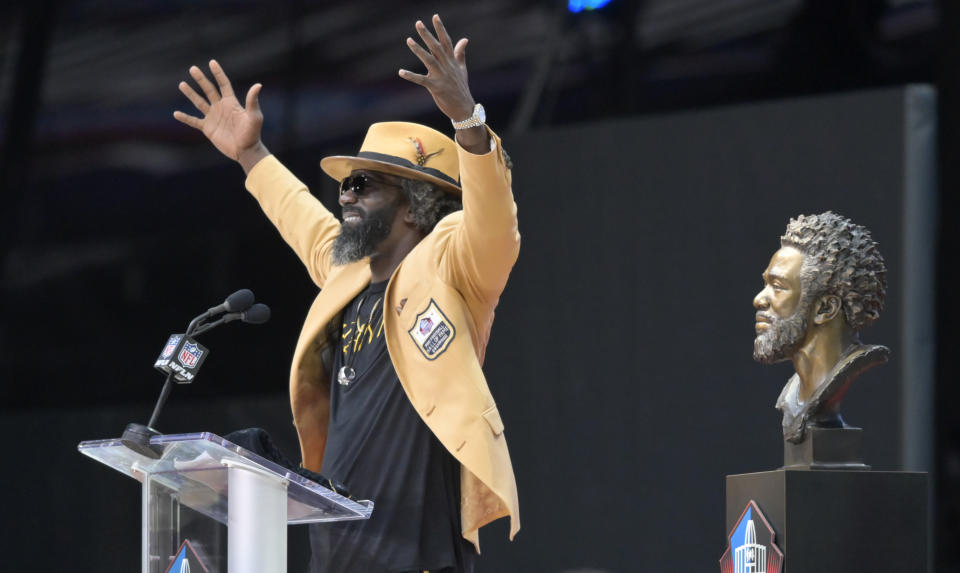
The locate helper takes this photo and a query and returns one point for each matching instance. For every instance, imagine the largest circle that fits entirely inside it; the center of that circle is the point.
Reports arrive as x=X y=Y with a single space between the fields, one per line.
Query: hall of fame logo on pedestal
x=750 y=546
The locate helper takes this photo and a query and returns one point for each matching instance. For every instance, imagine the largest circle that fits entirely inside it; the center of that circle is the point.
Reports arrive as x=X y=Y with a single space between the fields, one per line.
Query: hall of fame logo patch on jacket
x=432 y=331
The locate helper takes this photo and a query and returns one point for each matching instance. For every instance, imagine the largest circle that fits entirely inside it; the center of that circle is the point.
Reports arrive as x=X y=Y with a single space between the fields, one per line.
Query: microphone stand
x=137 y=436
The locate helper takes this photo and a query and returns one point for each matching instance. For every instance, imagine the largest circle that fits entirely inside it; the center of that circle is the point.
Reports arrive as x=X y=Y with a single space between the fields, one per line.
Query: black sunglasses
x=361 y=184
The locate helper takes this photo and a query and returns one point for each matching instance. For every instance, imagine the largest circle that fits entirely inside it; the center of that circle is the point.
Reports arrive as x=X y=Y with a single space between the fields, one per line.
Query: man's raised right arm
x=235 y=130
x=231 y=128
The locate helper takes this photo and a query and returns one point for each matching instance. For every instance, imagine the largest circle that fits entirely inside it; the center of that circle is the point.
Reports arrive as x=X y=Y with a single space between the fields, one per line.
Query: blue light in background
x=581 y=5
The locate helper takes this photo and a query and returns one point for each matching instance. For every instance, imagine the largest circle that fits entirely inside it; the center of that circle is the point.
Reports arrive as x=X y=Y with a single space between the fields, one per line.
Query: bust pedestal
x=825 y=449
x=848 y=521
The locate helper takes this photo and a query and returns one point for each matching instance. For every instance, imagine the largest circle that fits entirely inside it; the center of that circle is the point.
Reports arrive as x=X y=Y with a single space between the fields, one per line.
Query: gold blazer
x=438 y=310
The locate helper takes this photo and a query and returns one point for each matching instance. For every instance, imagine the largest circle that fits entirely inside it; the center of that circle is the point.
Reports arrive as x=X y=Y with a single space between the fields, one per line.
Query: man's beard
x=782 y=338
x=360 y=240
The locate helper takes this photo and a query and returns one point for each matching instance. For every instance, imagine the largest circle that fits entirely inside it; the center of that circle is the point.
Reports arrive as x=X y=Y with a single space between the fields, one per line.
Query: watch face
x=481 y=114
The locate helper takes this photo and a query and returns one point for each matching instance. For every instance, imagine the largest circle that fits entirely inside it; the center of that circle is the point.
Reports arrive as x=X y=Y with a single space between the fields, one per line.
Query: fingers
x=442 y=34
x=226 y=90
x=439 y=54
x=427 y=37
x=460 y=51
x=253 y=98
x=193 y=122
x=414 y=78
x=197 y=101
x=424 y=56
x=213 y=96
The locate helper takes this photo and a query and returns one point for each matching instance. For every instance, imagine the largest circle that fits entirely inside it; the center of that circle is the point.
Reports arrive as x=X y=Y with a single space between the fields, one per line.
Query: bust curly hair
x=840 y=258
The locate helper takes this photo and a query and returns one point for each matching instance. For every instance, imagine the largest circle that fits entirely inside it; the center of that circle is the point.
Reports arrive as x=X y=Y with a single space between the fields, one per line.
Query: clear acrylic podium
x=204 y=488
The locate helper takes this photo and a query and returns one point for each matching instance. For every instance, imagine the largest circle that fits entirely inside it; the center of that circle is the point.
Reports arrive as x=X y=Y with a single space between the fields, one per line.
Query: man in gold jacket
x=409 y=287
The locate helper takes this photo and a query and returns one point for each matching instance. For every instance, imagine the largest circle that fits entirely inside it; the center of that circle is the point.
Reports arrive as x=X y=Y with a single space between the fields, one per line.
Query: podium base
x=849 y=521
x=136 y=437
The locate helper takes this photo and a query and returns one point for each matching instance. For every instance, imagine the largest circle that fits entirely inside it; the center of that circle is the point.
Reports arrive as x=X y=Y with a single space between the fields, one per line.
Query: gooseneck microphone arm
x=235 y=303
x=256 y=314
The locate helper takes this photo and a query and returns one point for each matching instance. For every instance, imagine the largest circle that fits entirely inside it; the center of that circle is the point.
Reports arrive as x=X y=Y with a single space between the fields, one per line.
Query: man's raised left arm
x=487 y=244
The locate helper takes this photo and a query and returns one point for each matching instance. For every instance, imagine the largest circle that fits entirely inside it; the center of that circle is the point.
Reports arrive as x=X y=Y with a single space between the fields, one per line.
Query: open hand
x=446 y=77
x=232 y=128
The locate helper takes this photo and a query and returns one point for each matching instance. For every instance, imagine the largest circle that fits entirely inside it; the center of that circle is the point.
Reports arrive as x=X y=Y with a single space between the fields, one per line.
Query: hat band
x=408 y=164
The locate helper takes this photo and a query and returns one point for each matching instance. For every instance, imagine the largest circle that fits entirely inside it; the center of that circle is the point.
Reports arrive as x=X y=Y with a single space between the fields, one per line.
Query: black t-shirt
x=380 y=449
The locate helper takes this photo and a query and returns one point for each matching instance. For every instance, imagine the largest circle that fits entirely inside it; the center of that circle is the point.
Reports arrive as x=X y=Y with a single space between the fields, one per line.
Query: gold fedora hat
x=406 y=149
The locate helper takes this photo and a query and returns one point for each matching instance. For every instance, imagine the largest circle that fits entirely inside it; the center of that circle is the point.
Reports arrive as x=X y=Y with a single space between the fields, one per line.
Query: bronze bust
x=825 y=284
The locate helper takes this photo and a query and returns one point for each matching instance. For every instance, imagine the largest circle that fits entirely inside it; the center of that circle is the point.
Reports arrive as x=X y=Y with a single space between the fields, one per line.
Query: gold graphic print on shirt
x=357 y=334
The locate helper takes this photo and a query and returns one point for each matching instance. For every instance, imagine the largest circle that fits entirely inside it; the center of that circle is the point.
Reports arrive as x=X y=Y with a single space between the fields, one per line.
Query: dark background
x=620 y=356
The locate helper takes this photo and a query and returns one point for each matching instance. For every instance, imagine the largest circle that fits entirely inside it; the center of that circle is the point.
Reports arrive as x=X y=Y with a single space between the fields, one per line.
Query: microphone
x=256 y=314
x=237 y=302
